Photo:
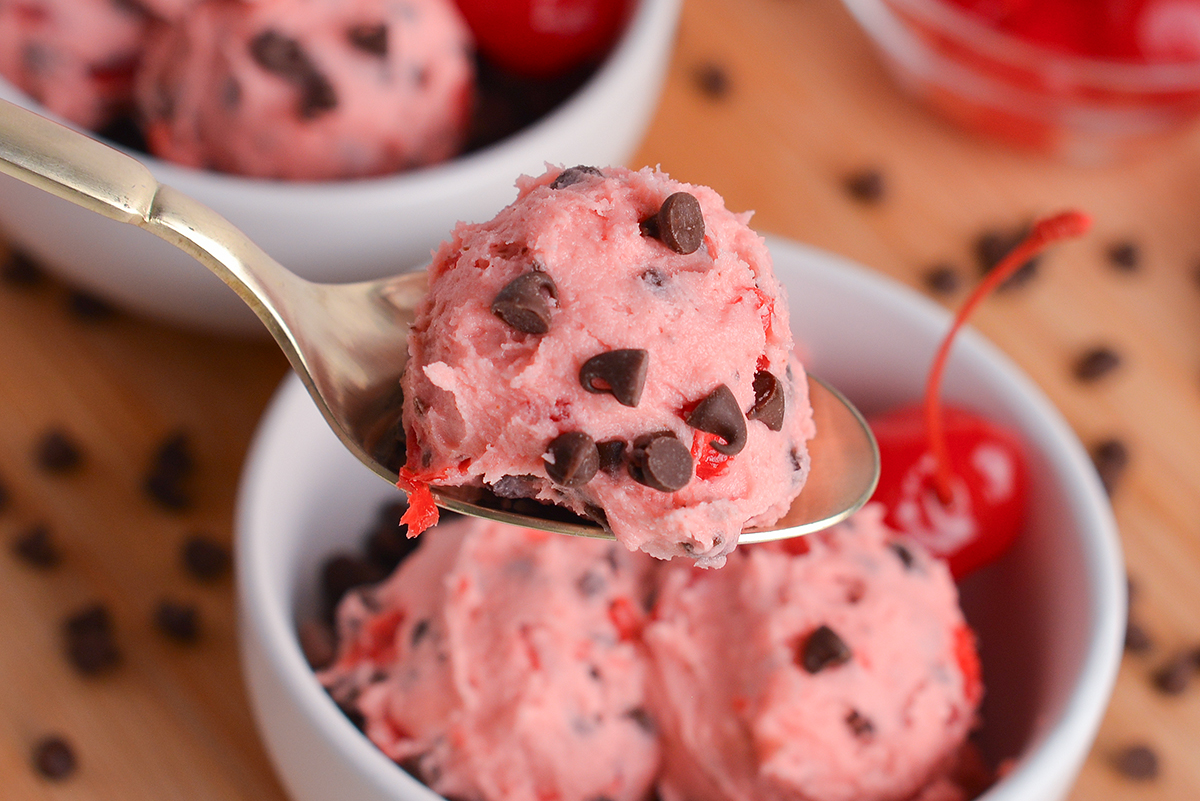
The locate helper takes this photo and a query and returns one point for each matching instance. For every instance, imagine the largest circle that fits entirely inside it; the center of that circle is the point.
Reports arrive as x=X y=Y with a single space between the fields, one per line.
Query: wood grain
x=807 y=105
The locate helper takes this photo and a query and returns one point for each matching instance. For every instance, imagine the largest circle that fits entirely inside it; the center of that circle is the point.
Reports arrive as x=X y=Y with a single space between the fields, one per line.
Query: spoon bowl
x=345 y=341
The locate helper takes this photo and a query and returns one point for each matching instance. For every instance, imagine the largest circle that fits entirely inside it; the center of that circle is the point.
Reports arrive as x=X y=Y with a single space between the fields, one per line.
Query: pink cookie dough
x=77 y=58
x=309 y=90
x=615 y=342
x=832 y=668
x=502 y=664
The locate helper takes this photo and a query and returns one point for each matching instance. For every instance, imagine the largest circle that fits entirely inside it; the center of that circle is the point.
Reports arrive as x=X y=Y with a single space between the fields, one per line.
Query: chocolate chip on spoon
x=679 y=223
x=622 y=373
x=523 y=303
x=573 y=460
x=720 y=414
x=573 y=175
x=768 y=401
x=612 y=454
x=661 y=462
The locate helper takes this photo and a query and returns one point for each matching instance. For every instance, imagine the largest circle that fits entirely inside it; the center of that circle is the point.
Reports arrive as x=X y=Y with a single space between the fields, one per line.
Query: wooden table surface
x=805 y=105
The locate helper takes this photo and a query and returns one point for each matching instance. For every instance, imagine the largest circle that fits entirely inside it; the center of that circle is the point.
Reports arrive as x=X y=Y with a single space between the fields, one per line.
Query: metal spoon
x=345 y=341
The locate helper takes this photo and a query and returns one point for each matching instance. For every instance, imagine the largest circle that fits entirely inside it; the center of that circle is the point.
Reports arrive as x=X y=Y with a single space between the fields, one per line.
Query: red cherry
x=948 y=477
x=542 y=38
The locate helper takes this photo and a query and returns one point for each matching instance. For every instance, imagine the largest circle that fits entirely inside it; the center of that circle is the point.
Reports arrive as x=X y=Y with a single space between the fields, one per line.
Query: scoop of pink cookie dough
x=616 y=342
x=854 y=676
x=501 y=663
x=308 y=89
x=75 y=57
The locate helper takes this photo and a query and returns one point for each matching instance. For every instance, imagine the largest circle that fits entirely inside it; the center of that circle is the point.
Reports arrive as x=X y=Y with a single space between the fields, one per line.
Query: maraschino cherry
x=949 y=478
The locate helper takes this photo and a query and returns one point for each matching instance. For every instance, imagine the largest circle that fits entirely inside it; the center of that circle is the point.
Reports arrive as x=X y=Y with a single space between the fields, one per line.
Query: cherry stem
x=1045 y=232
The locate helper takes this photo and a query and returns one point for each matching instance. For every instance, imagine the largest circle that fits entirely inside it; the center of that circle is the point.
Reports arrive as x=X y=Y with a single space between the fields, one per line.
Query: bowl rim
x=969 y=31
x=266 y=612
x=646 y=21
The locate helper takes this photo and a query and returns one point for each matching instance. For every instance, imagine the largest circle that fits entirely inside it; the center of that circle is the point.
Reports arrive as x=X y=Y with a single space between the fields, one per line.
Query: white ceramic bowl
x=343 y=230
x=1050 y=615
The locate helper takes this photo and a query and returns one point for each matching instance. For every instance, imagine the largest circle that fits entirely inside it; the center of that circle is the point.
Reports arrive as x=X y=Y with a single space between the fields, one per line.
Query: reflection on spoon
x=345 y=340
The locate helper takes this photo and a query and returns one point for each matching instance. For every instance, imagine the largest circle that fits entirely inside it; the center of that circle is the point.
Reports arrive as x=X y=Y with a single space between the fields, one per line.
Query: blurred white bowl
x=343 y=230
x=1050 y=615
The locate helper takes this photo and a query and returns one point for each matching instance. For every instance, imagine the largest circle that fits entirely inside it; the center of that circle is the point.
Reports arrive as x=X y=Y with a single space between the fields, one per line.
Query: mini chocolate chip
x=679 y=223
x=992 y=246
x=317 y=643
x=573 y=460
x=642 y=717
x=860 y=725
x=91 y=647
x=942 y=279
x=370 y=38
x=420 y=631
x=513 y=487
x=281 y=55
x=1095 y=363
x=317 y=96
x=1138 y=762
x=903 y=554
x=591 y=584
x=823 y=649
x=655 y=279
x=37 y=547
x=57 y=452
x=718 y=413
x=1173 y=677
x=866 y=186
x=204 y=558
x=21 y=270
x=768 y=401
x=712 y=80
x=1137 y=638
x=1111 y=458
x=573 y=175
x=54 y=758
x=1125 y=256
x=661 y=462
x=170 y=467
x=179 y=621
x=88 y=307
x=622 y=373
x=612 y=454
x=523 y=303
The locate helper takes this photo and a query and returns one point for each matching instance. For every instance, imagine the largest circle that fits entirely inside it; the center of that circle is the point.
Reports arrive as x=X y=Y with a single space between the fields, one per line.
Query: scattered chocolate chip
x=591 y=584
x=88 y=307
x=370 y=38
x=1174 y=676
x=1095 y=363
x=523 y=303
x=860 y=725
x=655 y=279
x=1137 y=638
x=179 y=621
x=514 y=487
x=57 y=452
x=1125 y=256
x=317 y=96
x=866 y=186
x=572 y=459
x=317 y=643
x=573 y=175
x=37 y=547
x=621 y=373
x=204 y=558
x=679 y=223
x=642 y=717
x=420 y=631
x=823 y=649
x=54 y=758
x=169 y=469
x=1138 y=762
x=942 y=279
x=718 y=413
x=1111 y=458
x=342 y=573
x=90 y=643
x=992 y=246
x=768 y=401
x=712 y=80
x=284 y=56
x=903 y=554
x=661 y=462
x=612 y=454
x=21 y=270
